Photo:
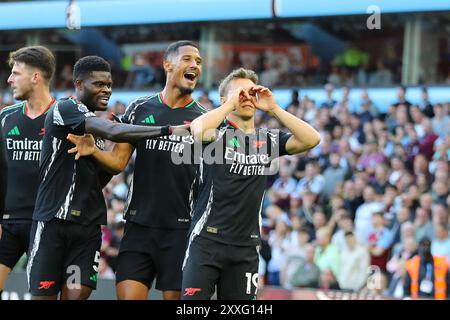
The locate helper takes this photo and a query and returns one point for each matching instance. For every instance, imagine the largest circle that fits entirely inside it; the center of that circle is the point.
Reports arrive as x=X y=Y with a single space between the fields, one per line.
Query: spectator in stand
x=283 y=186
x=301 y=272
x=426 y=201
x=326 y=255
x=270 y=76
x=423 y=225
x=427 y=141
x=66 y=77
x=329 y=102
x=425 y=105
x=299 y=238
x=440 y=245
x=345 y=104
x=417 y=120
x=352 y=198
x=401 y=95
x=366 y=101
x=408 y=250
x=363 y=218
x=439 y=213
x=427 y=275
x=354 y=264
x=279 y=242
x=345 y=225
x=380 y=181
x=402 y=217
x=141 y=75
x=303 y=207
x=441 y=121
x=379 y=241
x=333 y=175
x=382 y=77
x=371 y=156
x=294 y=104
x=397 y=284
x=313 y=180
x=440 y=191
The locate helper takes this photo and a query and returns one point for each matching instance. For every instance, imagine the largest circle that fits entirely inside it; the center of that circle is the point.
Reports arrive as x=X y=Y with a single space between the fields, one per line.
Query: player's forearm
x=203 y=128
x=109 y=161
x=119 y=132
x=304 y=137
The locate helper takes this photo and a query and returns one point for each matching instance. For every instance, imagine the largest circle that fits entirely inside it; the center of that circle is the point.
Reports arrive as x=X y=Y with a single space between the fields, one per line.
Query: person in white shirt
x=354 y=264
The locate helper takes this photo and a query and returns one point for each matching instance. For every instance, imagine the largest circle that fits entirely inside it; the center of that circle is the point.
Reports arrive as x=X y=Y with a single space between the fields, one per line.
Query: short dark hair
x=88 y=64
x=35 y=56
x=173 y=47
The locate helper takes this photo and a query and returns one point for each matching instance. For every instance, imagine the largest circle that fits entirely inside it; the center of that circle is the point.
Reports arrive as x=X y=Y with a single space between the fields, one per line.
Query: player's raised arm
x=116 y=160
x=120 y=132
x=304 y=137
x=204 y=127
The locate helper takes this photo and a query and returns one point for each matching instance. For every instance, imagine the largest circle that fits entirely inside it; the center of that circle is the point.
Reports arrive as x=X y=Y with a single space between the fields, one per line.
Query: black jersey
x=3 y=175
x=23 y=141
x=233 y=178
x=161 y=190
x=69 y=189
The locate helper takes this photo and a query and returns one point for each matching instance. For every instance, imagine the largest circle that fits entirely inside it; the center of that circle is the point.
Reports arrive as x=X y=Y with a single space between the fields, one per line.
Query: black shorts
x=146 y=253
x=62 y=253
x=233 y=269
x=14 y=241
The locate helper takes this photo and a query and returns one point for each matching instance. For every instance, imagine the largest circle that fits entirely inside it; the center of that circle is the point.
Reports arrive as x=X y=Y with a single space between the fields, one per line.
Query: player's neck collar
x=163 y=101
x=25 y=108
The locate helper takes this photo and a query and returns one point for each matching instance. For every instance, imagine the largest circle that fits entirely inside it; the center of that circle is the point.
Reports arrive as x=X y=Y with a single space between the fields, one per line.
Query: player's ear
x=36 y=76
x=168 y=66
x=78 y=84
x=222 y=100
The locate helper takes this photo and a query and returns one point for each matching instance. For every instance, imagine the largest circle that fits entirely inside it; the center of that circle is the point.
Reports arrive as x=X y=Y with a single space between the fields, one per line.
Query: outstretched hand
x=84 y=145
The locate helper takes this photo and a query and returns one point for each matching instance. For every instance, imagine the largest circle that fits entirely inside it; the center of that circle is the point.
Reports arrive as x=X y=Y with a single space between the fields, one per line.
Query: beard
x=186 y=91
x=22 y=96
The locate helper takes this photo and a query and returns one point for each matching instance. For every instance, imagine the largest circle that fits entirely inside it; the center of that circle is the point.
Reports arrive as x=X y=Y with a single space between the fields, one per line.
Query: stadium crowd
x=359 y=203
x=354 y=207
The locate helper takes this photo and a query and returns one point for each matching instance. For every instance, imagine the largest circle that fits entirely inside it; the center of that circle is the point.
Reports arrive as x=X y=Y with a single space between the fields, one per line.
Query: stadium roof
x=52 y=14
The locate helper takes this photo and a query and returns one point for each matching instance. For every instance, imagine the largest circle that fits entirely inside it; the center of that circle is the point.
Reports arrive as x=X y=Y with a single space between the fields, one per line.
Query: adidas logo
x=14 y=131
x=149 y=119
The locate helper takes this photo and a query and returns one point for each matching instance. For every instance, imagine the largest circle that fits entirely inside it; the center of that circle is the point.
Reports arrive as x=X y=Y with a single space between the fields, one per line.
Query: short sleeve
x=278 y=140
x=130 y=111
x=71 y=114
x=128 y=116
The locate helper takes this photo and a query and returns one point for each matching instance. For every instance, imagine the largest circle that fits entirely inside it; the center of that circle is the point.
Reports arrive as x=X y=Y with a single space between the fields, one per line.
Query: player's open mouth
x=191 y=76
x=104 y=99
